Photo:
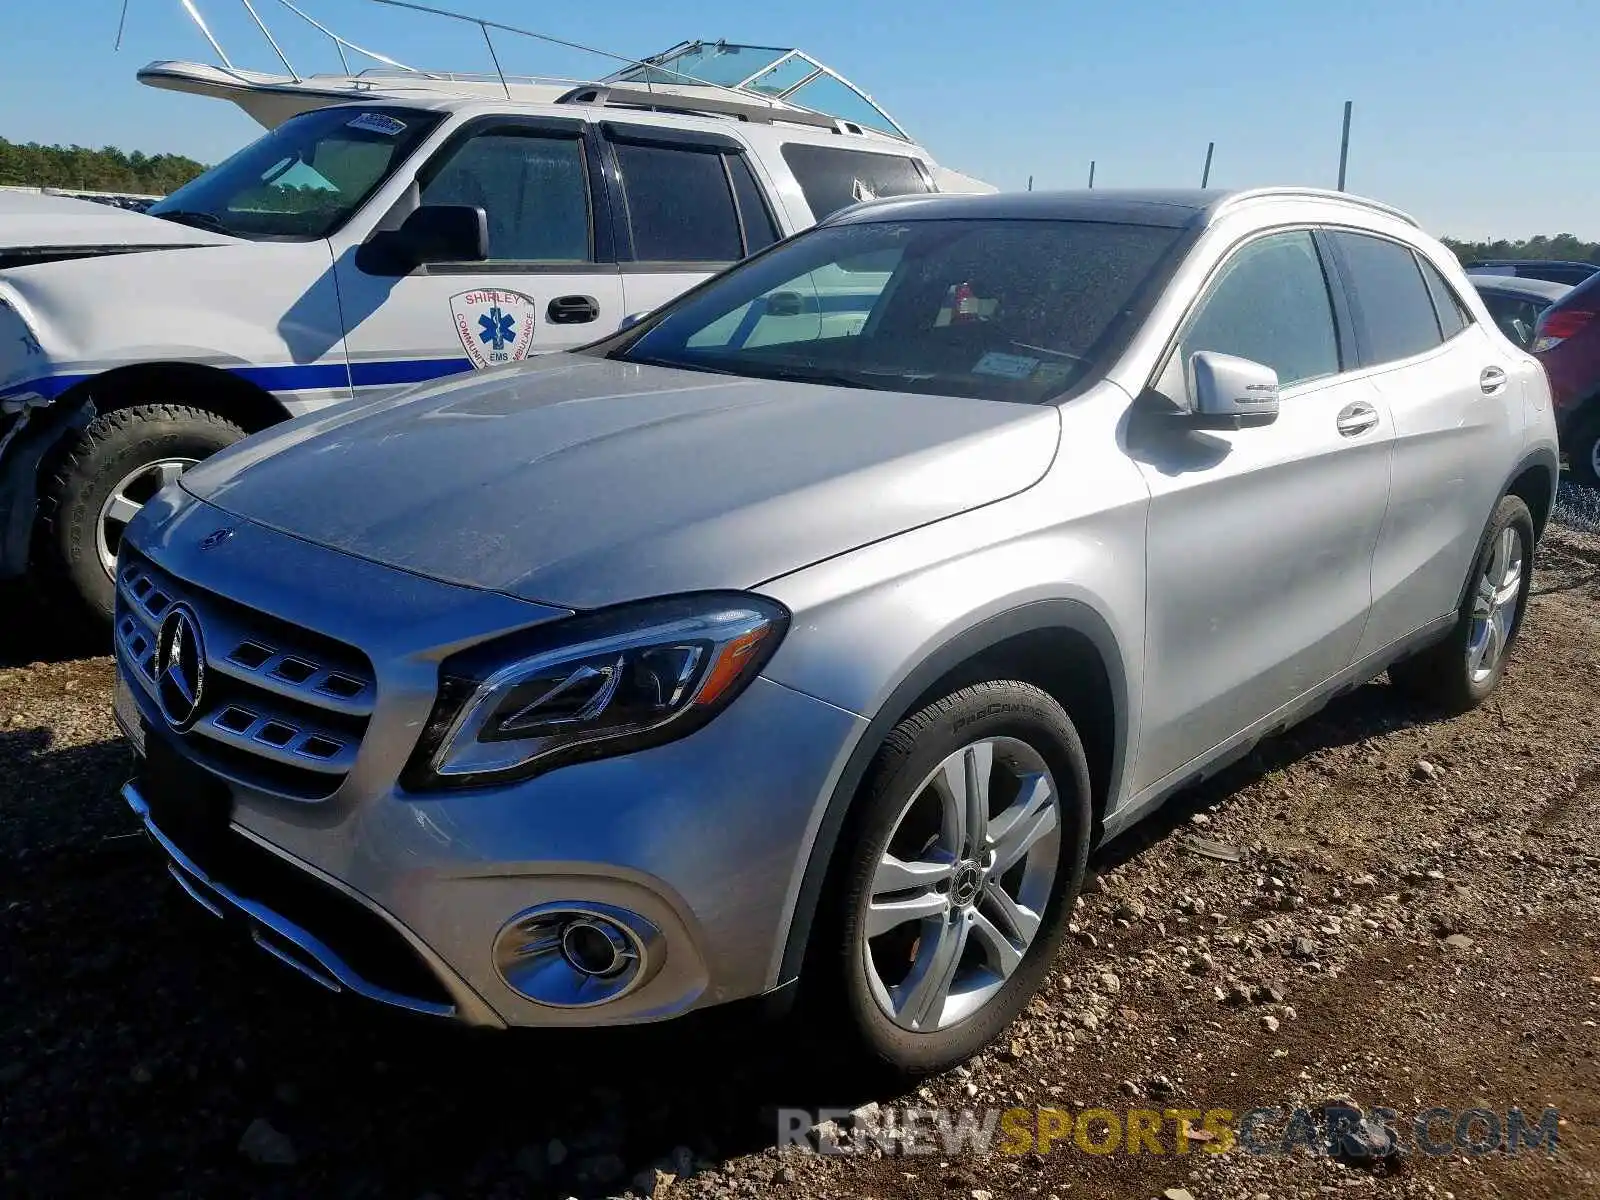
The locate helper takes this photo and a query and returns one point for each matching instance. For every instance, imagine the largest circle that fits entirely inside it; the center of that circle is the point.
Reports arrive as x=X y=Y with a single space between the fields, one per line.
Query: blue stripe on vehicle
x=294 y=377
x=407 y=370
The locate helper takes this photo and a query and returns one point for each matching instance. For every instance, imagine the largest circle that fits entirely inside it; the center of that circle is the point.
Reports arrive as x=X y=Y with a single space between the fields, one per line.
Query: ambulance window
x=833 y=179
x=532 y=187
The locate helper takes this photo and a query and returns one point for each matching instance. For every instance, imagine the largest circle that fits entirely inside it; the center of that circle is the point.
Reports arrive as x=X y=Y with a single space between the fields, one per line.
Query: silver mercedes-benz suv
x=811 y=630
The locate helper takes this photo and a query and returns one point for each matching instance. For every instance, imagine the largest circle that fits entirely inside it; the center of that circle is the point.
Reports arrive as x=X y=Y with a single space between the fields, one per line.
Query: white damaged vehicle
x=389 y=229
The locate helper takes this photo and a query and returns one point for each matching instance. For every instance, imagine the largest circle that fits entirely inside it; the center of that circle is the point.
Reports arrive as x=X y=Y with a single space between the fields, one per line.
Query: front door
x=1260 y=540
x=550 y=281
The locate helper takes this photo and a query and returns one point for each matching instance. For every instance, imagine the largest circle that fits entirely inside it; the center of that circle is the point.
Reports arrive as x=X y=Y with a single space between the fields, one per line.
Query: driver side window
x=1269 y=304
x=532 y=187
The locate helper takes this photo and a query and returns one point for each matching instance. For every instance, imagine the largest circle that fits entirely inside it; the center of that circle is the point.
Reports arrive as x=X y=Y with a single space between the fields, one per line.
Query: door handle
x=1355 y=419
x=572 y=310
x=1492 y=380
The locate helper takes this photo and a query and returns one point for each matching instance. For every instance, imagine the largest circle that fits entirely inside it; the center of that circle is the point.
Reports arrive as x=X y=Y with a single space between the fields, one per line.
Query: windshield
x=994 y=309
x=305 y=178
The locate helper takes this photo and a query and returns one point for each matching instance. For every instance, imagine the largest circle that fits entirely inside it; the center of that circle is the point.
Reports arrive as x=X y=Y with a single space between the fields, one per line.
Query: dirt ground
x=1412 y=921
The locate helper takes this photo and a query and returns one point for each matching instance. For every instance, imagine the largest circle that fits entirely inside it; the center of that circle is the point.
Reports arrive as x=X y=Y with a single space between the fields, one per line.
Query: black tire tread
x=897 y=747
x=73 y=460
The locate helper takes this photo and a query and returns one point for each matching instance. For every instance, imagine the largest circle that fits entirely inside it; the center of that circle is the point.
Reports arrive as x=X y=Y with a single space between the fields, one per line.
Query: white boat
x=760 y=83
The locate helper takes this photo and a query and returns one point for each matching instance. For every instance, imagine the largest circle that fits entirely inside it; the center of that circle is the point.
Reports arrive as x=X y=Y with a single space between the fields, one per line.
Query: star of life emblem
x=494 y=326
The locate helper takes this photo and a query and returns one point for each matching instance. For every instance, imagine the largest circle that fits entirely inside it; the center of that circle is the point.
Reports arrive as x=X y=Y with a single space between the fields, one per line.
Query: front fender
x=874 y=629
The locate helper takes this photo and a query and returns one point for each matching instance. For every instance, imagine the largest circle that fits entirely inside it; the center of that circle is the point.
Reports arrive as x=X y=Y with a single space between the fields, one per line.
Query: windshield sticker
x=1052 y=373
x=377 y=123
x=1005 y=366
x=494 y=326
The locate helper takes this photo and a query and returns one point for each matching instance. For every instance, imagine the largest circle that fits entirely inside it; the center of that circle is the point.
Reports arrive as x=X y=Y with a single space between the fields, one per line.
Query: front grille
x=283 y=709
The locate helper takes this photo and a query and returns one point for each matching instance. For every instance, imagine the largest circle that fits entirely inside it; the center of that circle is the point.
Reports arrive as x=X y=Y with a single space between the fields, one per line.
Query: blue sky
x=1473 y=114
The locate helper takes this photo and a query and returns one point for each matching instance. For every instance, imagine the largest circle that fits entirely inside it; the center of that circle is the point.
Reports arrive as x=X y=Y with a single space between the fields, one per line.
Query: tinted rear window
x=1392 y=301
x=834 y=179
x=679 y=204
x=1453 y=317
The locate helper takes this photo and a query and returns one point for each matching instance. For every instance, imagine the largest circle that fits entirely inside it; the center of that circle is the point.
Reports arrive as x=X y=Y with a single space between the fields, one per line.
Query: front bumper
x=705 y=838
x=285 y=939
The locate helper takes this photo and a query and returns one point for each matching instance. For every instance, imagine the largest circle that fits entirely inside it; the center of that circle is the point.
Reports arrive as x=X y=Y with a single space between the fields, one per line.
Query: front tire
x=101 y=479
x=1459 y=673
x=959 y=865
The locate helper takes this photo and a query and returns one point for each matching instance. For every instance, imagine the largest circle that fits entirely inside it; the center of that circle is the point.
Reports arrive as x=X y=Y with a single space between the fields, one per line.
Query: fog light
x=576 y=955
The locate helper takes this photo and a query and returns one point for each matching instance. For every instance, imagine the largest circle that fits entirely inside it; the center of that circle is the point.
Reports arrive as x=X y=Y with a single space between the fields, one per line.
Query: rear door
x=686 y=204
x=1260 y=542
x=1448 y=385
x=550 y=282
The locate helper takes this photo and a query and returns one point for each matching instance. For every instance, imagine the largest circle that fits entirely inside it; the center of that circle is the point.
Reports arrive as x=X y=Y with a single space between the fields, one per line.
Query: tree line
x=1563 y=246
x=106 y=170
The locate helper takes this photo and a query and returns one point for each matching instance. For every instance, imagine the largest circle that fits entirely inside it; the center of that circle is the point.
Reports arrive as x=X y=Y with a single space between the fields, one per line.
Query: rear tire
x=1461 y=672
x=869 y=980
x=98 y=479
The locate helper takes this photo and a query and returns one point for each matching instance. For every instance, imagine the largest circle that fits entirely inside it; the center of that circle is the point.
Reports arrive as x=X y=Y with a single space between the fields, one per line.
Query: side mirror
x=1230 y=393
x=629 y=321
x=433 y=233
x=784 y=304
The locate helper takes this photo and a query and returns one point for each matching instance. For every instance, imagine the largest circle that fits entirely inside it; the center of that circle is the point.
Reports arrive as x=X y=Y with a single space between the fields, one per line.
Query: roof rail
x=665 y=101
x=1310 y=193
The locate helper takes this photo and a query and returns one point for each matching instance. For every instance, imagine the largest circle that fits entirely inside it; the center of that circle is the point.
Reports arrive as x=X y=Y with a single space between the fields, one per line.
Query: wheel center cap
x=966 y=882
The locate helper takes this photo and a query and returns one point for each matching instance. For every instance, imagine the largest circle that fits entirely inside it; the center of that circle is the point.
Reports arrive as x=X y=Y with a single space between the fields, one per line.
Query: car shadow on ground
x=31 y=631
x=130 y=1008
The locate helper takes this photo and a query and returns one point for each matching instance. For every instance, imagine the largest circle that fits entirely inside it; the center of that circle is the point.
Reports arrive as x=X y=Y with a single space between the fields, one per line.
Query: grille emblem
x=180 y=667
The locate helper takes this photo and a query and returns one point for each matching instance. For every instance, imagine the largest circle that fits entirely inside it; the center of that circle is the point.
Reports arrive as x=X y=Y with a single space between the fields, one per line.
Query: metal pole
x=1030 y=183
x=122 y=22
x=1205 y=175
x=506 y=87
x=1091 y=172
x=1344 y=143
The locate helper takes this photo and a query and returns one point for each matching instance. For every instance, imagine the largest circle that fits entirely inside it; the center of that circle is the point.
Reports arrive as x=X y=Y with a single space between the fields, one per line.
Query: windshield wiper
x=200 y=220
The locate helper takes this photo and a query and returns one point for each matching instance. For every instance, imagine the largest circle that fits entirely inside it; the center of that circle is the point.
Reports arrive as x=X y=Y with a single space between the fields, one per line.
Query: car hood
x=579 y=481
x=36 y=221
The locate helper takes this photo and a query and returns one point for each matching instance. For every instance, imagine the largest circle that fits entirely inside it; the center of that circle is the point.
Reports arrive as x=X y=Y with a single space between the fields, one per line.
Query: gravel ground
x=1413 y=920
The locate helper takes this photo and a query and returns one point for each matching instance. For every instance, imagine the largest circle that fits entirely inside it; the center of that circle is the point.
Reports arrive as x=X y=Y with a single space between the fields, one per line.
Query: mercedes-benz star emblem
x=968 y=879
x=180 y=667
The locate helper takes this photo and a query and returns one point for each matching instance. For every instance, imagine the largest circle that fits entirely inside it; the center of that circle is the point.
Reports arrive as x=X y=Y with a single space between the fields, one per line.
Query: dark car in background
x=1516 y=303
x=1555 y=270
x=1567 y=342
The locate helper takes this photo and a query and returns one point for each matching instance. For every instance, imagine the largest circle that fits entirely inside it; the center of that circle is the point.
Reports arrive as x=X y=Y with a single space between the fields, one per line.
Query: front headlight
x=589 y=686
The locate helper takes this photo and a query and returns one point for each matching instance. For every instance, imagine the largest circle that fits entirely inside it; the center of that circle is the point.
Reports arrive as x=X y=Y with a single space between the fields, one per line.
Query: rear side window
x=759 y=229
x=680 y=206
x=1270 y=304
x=1453 y=316
x=833 y=179
x=1391 y=300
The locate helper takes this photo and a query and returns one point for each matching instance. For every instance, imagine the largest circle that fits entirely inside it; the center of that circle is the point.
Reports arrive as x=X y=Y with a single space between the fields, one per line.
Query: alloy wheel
x=137 y=488
x=1494 y=605
x=962 y=884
